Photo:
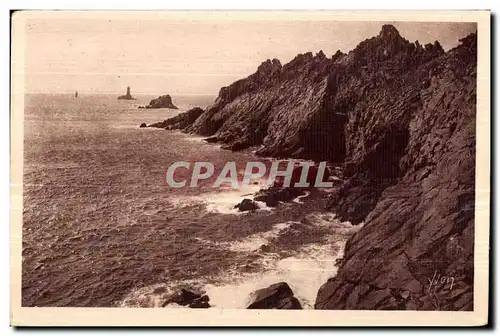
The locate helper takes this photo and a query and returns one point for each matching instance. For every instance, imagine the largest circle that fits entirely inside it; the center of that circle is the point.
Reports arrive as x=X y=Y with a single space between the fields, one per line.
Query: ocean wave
x=305 y=269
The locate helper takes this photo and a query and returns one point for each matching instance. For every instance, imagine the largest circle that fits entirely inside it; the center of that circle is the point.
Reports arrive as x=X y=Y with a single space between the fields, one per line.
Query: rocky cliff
x=400 y=117
x=416 y=248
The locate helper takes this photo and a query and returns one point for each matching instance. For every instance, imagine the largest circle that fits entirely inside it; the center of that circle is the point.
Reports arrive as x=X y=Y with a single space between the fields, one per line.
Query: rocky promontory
x=400 y=119
x=161 y=102
x=127 y=96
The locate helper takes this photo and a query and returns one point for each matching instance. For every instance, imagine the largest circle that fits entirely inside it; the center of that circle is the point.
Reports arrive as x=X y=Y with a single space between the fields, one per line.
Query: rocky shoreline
x=164 y=101
x=400 y=118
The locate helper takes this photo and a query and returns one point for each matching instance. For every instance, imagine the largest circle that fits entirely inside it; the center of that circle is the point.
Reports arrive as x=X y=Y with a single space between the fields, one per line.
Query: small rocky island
x=161 y=102
x=127 y=96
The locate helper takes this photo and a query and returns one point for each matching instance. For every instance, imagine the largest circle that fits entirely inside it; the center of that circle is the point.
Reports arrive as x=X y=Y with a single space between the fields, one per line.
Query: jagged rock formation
x=127 y=96
x=180 y=121
x=161 y=102
x=400 y=117
x=258 y=110
x=416 y=250
x=275 y=194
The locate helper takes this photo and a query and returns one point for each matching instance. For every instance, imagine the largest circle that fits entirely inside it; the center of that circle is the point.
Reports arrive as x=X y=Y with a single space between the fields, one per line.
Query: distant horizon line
x=121 y=93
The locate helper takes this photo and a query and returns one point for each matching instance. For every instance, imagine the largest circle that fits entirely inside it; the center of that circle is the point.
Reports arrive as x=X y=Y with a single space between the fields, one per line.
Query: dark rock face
x=276 y=296
x=188 y=298
x=246 y=205
x=400 y=118
x=414 y=165
x=143 y=125
x=180 y=121
x=161 y=102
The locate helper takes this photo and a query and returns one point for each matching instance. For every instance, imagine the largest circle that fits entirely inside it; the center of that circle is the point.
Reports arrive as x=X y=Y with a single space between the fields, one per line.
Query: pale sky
x=187 y=57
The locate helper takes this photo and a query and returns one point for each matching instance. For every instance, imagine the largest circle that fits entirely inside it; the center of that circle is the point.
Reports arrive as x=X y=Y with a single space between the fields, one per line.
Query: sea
x=101 y=228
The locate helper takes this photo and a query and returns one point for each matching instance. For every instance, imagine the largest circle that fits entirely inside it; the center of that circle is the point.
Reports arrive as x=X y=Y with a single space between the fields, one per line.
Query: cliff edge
x=400 y=118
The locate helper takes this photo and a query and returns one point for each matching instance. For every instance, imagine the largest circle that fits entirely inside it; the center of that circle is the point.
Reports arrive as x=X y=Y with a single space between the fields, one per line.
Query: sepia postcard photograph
x=250 y=168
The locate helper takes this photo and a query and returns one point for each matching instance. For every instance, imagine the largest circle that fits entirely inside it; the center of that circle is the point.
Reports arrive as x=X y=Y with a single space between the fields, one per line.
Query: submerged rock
x=276 y=296
x=276 y=107
x=211 y=139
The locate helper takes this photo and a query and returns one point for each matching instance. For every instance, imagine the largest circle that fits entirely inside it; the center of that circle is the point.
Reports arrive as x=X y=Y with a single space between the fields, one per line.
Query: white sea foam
x=305 y=271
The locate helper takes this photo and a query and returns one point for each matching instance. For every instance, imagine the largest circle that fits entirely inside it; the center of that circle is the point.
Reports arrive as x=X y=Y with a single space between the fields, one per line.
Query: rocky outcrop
x=387 y=76
x=187 y=298
x=275 y=194
x=161 y=102
x=143 y=125
x=411 y=170
x=127 y=96
x=180 y=121
x=279 y=107
x=276 y=296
